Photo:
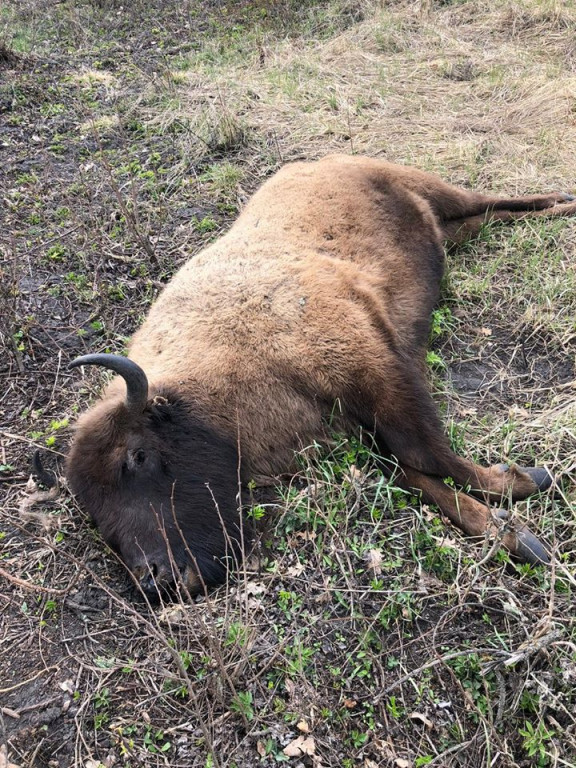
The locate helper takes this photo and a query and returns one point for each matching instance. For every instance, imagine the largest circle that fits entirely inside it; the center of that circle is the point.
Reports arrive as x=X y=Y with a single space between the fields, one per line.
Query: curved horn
x=133 y=375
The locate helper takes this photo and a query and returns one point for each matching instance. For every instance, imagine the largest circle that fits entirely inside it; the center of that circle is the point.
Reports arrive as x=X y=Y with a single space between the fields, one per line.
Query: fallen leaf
x=354 y=475
x=254 y=588
x=401 y=763
x=303 y=726
x=67 y=685
x=423 y=719
x=294 y=570
x=261 y=749
x=300 y=746
x=4 y=761
x=373 y=559
x=309 y=746
x=172 y=614
x=350 y=703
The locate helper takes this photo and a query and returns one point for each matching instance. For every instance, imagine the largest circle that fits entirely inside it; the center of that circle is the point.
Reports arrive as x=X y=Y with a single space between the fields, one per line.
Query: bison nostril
x=148 y=583
x=147 y=577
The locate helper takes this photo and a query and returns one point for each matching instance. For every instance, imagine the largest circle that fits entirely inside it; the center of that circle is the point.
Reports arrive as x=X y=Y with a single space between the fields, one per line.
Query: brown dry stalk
x=38 y=587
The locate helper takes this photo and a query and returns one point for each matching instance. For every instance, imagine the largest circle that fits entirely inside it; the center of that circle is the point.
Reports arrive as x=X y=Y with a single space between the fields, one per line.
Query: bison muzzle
x=317 y=302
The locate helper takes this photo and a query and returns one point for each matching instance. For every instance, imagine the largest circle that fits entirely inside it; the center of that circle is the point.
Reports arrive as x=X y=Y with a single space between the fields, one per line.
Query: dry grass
x=481 y=93
x=365 y=632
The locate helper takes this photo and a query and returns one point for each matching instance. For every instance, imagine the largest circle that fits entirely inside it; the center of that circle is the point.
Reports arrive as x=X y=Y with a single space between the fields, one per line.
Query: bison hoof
x=540 y=476
x=567 y=198
x=530 y=549
x=523 y=544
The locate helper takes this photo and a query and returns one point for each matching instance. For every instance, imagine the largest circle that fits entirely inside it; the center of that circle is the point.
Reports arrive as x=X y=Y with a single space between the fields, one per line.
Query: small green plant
x=257 y=512
x=27 y=178
x=288 y=602
x=223 y=179
x=394 y=709
x=242 y=704
x=441 y=323
x=154 y=741
x=535 y=741
x=101 y=701
x=55 y=426
x=56 y=252
x=204 y=225
x=237 y=634
x=434 y=360
x=358 y=738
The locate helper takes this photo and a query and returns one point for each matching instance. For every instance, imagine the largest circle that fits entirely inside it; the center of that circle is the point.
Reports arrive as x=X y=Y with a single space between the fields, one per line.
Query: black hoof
x=568 y=198
x=530 y=549
x=540 y=476
x=527 y=548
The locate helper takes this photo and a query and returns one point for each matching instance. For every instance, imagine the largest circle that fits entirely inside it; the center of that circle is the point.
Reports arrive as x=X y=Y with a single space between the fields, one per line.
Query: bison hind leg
x=475 y=517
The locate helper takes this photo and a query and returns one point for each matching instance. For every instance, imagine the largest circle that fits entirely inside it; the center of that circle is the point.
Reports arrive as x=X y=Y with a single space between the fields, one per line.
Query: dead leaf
x=67 y=686
x=4 y=761
x=302 y=745
x=350 y=703
x=373 y=559
x=309 y=746
x=261 y=749
x=354 y=475
x=172 y=614
x=401 y=763
x=294 y=570
x=303 y=726
x=423 y=719
x=254 y=588
x=295 y=538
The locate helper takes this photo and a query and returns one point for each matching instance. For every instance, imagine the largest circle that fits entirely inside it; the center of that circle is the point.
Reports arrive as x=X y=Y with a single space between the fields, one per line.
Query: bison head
x=160 y=484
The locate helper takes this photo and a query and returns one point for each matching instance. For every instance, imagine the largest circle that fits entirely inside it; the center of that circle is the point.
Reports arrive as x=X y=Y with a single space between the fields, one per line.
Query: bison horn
x=133 y=375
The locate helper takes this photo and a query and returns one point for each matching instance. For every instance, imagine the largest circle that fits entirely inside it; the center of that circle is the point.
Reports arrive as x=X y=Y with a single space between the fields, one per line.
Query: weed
x=535 y=741
x=242 y=704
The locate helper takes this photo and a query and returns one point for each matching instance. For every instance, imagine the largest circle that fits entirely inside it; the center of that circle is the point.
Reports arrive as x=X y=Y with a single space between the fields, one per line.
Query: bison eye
x=134 y=460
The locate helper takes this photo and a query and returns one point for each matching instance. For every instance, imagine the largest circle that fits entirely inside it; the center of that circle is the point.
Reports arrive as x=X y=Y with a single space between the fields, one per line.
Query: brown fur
x=317 y=302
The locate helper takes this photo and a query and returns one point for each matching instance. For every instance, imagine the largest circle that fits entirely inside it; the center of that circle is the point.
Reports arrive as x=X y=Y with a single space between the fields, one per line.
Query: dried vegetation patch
x=363 y=632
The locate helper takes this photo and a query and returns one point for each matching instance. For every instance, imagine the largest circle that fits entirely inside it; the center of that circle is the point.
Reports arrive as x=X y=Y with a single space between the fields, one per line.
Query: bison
x=313 y=310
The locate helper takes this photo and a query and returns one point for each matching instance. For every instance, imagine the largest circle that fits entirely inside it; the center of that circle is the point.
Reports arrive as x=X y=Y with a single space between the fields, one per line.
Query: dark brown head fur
x=163 y=492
